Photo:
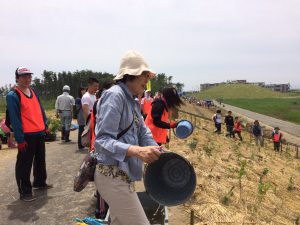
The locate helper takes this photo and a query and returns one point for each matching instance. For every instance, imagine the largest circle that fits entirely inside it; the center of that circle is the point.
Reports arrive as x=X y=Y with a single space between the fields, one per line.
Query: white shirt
x=88 y=99
x=64 y=102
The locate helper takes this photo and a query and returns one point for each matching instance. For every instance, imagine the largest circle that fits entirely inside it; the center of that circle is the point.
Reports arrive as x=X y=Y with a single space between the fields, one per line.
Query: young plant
x=207 y=150
x=225 y=199
x=265 y=171
x=53 y=125
x=291 y=185
x=262 y=189
x=193 y=144
x=241 y=173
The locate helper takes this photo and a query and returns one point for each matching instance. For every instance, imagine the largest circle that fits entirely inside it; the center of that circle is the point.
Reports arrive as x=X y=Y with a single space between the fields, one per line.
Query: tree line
x=51 y=83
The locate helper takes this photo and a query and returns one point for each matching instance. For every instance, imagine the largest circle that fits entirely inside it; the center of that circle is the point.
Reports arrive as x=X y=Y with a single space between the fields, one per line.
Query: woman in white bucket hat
x=123 y=142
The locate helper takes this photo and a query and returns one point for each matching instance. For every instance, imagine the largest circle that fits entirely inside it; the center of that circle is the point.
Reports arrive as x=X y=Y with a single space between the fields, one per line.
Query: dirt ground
x=59 y=205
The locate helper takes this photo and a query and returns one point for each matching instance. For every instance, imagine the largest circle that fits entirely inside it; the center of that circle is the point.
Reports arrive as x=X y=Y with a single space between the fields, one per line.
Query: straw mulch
x=267 y=192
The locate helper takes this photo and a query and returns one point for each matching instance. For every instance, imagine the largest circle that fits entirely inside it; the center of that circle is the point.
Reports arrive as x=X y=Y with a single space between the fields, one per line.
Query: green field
x=282 y=108
x=285 y=106
x=236 y=91
x=48 y=104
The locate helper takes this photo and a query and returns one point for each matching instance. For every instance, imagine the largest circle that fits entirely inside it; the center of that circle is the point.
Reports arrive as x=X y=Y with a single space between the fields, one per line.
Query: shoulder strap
x=124 y=131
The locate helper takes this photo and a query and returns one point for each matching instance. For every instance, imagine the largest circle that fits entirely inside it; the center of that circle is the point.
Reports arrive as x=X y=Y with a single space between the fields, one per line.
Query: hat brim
x=22 y=74
x=133 y=72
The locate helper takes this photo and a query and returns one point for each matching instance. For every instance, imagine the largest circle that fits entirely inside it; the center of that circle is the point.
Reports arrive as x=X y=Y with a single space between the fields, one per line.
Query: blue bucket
x=184 y=129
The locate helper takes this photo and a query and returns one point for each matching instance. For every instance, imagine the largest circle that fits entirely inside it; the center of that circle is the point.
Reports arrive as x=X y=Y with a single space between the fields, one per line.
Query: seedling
x=225 y=199
x=265 y=171
x=291 y=185
x=207 y=150
x=241 y=173
x=193 y=144
x=262 y=189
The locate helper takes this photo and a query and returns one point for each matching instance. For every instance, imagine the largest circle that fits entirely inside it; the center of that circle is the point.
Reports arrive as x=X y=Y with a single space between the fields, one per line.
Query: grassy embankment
x=285 y=106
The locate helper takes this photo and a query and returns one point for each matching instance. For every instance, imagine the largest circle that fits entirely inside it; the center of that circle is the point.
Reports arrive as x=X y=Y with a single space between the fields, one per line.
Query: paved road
x=286 y=127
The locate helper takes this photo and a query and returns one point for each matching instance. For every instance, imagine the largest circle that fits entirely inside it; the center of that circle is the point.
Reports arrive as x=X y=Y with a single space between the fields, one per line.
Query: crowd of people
x=128 y=127
x=234 y=126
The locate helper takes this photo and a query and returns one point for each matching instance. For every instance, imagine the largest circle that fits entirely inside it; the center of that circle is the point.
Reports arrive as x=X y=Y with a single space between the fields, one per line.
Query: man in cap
x=29 y=123
x=64 y=108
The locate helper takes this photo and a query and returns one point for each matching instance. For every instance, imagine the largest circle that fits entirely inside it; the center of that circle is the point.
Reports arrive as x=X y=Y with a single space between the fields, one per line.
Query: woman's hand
x=148 y=154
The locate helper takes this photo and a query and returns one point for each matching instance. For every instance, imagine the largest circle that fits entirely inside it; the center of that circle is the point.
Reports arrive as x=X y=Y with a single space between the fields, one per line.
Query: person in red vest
x=29 y=124
x=158 y=119
x=276 y=136
x=146 y=103
x=237 y=128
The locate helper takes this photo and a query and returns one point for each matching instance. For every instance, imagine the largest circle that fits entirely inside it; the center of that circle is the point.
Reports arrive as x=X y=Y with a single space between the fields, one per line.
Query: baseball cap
x=21 y=70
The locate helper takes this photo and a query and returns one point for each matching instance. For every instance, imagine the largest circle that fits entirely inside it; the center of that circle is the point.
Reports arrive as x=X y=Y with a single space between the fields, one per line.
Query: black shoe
x=47 y=186
x=68 y=140
x=27 y=198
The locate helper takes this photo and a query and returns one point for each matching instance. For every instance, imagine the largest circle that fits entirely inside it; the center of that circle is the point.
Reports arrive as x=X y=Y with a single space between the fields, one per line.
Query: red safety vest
x=159 y=134
x=276 y=137
x=92 y=127
x=147 y=105
x=31 y=113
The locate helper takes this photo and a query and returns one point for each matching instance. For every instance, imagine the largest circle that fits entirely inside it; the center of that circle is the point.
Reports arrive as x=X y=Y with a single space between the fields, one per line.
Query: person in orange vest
x=276 y=136
x=237 y=128
x=146 y=103
x=29 y=123
x=158 y=119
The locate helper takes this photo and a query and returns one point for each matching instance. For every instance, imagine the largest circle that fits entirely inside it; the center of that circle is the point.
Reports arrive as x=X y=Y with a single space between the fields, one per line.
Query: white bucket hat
x=133 y=63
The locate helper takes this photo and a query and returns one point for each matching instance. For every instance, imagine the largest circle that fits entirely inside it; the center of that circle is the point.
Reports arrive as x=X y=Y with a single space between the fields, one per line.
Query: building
x=278 y=87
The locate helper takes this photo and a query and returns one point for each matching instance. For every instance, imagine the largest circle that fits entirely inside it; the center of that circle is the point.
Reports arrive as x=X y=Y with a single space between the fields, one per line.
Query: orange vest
x=31 y=113
x=237 y=126
x=276 y=137
x=92 y=127
x=159 y=134
x=147 y=105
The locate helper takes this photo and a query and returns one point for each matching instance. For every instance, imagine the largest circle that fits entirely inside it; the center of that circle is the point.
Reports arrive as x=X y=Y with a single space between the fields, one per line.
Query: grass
x=238 y=91
x=48 y=104
x=281 y=108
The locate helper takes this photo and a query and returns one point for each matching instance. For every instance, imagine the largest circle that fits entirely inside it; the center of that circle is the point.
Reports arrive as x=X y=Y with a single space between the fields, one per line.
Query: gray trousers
x=259 y=140
x=124 y=205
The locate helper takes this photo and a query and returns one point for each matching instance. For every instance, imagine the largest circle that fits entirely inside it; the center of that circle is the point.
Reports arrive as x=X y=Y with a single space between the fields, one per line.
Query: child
x=229 y=124
x=257 y=132
x=276 y=136
x=217 y=118
x=237 y=128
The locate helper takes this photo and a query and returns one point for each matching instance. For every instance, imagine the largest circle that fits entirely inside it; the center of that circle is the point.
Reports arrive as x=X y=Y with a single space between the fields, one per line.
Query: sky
x=195 y=41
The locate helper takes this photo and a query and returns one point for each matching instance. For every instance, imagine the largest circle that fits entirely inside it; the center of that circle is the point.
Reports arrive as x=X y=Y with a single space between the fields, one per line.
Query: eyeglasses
x=146 y=74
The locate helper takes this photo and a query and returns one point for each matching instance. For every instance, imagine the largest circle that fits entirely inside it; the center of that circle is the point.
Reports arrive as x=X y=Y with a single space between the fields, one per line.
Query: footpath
x=59 y=205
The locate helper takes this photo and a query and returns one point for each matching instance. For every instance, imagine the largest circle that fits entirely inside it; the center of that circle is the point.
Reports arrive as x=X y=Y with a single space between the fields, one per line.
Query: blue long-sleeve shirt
x=13 y=105
x=115 y=112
